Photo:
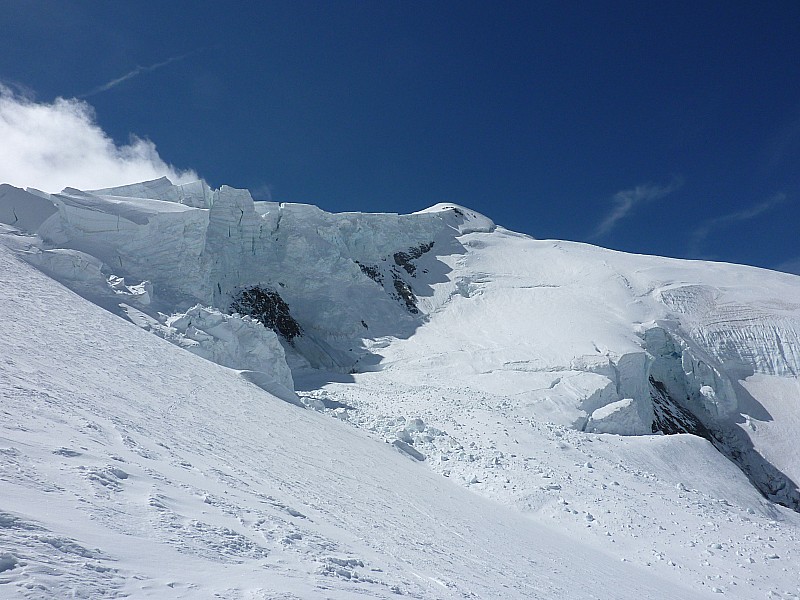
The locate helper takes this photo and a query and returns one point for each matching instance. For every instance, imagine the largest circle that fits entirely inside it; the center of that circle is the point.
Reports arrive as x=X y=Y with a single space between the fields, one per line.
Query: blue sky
x=667 y=128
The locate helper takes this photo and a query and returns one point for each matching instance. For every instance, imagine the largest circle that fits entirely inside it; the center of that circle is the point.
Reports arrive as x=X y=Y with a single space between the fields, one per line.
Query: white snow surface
x=235 y=341
x=24 y=210
x=468 y=386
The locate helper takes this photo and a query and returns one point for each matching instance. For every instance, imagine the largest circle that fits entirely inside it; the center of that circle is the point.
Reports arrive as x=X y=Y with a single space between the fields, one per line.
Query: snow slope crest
x=460 y=218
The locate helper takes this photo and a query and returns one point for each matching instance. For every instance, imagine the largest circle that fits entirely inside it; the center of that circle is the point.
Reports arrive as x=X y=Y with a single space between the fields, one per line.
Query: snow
x=134 y=468
x=196 y=194
x=446 y=408
x=23 y=210
x=233 y=341
x=778 y=421
x=620 y=417
x=460 y=218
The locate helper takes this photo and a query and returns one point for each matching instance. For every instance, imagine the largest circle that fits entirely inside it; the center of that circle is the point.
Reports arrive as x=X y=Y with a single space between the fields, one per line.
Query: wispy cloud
x=625 y=201
x=261 y=192
x=50 y=146
x=134 y=73
x=706 y=228
x=783 y=145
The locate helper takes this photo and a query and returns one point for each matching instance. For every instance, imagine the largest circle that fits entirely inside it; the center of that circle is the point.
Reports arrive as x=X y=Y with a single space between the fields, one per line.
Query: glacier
x=584 y=336
x=488 y=357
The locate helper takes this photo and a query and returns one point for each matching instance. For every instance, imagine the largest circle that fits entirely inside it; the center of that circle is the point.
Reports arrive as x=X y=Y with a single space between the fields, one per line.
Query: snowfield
x=360 y=405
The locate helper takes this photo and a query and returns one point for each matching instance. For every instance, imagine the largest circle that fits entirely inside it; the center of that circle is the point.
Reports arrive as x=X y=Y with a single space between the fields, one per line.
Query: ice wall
x=760 y=336
x=198 y=245
x=23 y=210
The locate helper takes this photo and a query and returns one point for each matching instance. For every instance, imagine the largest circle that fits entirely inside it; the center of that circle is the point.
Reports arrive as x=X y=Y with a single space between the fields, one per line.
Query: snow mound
x=460 y=218
x=233 y=341
x=88 y=276
x=70 y=265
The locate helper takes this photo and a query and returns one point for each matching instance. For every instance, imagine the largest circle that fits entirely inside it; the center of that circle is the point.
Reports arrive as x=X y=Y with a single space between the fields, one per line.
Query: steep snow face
x=591 y=326
x=596 y=340
x=744 y=334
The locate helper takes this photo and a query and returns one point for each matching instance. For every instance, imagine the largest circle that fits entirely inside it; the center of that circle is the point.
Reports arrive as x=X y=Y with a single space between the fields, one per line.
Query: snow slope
x=465 y=355
x=133 y=468
x=572 y=334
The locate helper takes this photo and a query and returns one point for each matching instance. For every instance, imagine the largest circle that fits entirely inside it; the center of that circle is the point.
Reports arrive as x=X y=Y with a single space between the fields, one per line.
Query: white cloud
x=50 y=146
x=702 y=231
x=626 y=200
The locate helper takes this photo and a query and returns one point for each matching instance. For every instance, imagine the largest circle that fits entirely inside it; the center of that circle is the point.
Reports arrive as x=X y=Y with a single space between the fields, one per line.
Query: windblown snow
x=203 y=395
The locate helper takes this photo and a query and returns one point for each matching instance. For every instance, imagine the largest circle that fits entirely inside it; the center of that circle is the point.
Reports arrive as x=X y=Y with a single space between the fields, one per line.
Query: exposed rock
x=269 y=308
x=406 y=294
x=371 y=271
x=404 y=259
x=670 y=417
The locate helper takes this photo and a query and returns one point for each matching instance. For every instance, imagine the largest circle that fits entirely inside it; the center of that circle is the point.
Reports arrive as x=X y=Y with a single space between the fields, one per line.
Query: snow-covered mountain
x=426 y=405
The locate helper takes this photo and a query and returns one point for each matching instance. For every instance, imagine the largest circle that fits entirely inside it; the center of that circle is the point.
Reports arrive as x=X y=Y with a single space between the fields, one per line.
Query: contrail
x=135 y=73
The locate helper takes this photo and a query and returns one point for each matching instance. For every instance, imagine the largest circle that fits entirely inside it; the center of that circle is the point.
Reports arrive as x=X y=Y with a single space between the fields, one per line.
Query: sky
x=668 y=128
